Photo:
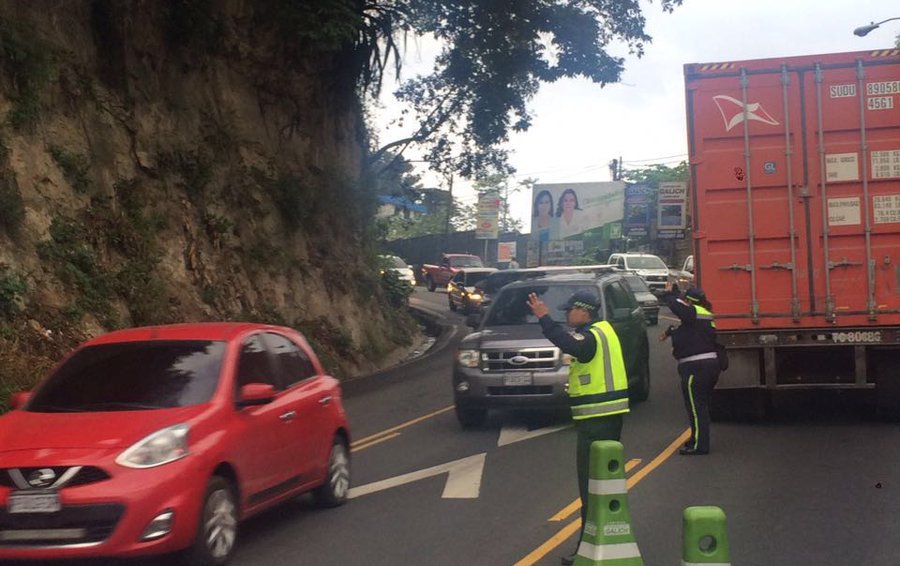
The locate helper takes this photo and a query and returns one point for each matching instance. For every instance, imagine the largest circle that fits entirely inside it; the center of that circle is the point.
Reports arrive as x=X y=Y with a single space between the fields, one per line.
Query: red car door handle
x=288 y=416
x=325 y=400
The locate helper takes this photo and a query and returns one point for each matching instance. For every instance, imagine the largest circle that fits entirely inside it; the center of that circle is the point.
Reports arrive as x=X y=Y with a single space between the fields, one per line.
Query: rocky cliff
x=180 y=160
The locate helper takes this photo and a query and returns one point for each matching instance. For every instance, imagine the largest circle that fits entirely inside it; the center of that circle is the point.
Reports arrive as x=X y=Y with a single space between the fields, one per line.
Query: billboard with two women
x=565 y=211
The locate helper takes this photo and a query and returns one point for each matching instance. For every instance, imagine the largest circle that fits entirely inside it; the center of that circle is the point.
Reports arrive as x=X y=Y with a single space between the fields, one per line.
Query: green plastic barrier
x=608 y=539
x=705 y=537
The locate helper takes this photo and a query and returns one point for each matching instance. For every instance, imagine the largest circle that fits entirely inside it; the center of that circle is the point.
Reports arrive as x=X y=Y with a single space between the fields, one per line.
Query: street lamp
x=863 y=30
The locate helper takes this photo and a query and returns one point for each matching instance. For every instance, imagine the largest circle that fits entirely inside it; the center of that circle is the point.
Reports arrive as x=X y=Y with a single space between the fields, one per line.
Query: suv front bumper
x=546 y=389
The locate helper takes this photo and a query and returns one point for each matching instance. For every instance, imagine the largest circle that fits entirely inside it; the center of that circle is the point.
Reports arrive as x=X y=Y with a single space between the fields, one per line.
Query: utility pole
x=449 y=213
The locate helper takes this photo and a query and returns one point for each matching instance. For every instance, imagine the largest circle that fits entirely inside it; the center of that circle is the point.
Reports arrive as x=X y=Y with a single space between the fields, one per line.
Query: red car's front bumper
x=106 y=516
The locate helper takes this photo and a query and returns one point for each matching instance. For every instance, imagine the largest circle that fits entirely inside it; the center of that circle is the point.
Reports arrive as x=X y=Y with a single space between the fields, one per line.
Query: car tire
x=470 y=417
x=466 y=307
x=452 y=304
x=336 y=489
x=217 y=526
x=641 y=390
x=430 y=283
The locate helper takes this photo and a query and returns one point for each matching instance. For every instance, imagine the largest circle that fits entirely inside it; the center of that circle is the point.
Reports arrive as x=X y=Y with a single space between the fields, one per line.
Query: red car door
x=308 y=440
x=260 y=450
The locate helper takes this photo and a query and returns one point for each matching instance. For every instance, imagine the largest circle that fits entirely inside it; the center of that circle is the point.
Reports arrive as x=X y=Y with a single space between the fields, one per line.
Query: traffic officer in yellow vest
x=598 y=384
x=694 y=346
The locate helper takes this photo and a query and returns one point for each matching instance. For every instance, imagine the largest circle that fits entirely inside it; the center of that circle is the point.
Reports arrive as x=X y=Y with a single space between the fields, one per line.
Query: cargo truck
x=795 y=195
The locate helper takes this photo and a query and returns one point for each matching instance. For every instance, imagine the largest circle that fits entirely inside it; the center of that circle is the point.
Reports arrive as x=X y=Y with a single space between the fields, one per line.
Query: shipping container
x=795 y=190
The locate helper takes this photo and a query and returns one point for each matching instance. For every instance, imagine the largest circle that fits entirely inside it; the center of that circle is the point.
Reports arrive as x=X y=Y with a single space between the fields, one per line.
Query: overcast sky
x=579 y=127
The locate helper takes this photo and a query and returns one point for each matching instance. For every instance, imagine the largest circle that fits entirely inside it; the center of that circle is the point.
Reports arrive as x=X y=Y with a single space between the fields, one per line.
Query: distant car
x=507 y=362
x=439 y=275
x=153 y=440
x=400 y=267
x=492 y=284
x=682 y=280
x=462 y=292
x=648 y=301
x=651 y=268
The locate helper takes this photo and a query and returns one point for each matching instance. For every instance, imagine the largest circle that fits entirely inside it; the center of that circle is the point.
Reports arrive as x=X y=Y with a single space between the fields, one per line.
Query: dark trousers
x=697 y=382
x=589 y=430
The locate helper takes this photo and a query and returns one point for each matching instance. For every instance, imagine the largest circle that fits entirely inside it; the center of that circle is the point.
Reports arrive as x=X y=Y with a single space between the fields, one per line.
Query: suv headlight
x=161 y=447
x=467 y=358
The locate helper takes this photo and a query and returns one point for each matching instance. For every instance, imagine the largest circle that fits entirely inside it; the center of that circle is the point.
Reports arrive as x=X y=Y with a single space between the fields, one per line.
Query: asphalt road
x=818 y=483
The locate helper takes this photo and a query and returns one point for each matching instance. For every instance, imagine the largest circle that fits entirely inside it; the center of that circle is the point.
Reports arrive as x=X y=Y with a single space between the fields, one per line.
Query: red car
x=162 y=439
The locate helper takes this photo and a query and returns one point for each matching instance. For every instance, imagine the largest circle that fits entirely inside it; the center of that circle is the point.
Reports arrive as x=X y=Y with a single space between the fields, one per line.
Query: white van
x=652 y=270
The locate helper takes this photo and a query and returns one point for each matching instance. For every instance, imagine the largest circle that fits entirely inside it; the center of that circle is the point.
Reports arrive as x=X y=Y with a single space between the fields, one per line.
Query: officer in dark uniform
x=598 y=383
x=694 y=346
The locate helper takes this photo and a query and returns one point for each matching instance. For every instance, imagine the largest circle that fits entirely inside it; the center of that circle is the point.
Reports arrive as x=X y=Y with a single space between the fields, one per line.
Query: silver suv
x=652 y=270
x=507 y=362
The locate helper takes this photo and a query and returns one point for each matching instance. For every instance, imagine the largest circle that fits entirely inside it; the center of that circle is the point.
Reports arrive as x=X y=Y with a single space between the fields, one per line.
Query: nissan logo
x=41 y=478
x=518 y=360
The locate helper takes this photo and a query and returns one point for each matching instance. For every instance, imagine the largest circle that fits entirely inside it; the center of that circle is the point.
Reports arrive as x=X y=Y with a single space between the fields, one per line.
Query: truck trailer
x=795 y=195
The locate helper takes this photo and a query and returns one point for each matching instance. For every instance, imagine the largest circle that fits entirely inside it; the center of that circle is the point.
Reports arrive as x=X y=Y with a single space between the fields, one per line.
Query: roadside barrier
x=608 y=538
x=705 y=537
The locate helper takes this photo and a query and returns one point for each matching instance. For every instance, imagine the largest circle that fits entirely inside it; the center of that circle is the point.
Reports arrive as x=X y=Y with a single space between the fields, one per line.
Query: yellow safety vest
x=703 y=314
x=599 y=388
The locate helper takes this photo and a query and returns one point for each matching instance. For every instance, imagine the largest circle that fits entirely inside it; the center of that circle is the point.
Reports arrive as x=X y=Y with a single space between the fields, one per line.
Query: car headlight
x=161 y=447
x=475 y=296
x=467 y=358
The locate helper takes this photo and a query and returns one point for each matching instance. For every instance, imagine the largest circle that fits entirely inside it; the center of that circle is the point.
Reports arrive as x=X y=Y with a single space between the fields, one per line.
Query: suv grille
x=526 y=359
x=656 y=278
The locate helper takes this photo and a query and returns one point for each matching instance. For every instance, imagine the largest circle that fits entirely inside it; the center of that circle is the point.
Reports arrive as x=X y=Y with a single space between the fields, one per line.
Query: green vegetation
x=12 y=210
x=12 y=291
x=30 y=65
x=194 y=168
x=74 y=167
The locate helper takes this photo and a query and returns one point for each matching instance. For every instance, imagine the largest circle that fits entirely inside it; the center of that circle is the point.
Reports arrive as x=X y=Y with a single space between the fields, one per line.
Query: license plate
x=517 y=379
x=47 y=502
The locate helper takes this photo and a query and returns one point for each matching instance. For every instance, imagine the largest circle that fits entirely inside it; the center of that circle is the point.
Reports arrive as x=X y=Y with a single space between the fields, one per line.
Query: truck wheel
x=430 y=282
x=745 y=405
x=887 y=387
x=470 y=417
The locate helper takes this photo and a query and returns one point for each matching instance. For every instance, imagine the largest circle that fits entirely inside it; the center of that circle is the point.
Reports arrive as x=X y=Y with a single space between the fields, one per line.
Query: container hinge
x=843 y=263
x=736 y=267
x=775 y=265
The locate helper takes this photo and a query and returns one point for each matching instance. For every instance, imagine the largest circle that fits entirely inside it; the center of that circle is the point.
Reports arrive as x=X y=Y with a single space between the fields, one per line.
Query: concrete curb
x=446 y=331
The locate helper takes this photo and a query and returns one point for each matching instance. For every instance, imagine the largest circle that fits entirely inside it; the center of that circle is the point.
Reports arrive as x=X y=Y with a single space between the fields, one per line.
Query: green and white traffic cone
x=705 y=538
x=607 y=537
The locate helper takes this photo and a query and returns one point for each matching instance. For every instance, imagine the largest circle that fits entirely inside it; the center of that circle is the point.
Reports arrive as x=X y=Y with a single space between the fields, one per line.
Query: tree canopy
x=495 y=56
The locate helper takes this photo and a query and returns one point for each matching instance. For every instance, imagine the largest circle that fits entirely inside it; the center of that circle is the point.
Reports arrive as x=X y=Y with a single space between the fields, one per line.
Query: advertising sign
x=506 y=251
x=671 y=205
x=564 y=211
x=637 y=210
x=488 y=226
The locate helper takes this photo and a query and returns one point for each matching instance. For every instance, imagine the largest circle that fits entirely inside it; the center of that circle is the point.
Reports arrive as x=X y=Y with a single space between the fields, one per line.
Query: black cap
x=582 y=300
x=695 y=295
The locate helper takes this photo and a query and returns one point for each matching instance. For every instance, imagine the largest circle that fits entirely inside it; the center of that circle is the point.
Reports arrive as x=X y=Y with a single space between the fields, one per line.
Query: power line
x=655 y=159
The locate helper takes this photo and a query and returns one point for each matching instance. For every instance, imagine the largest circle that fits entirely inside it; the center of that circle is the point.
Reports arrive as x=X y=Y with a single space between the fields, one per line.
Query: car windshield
x=511 y=306
x=645 y=262
x=465 y=261
x=636 y=284
x=130 y=376
x=397 y=262
x=475 y=278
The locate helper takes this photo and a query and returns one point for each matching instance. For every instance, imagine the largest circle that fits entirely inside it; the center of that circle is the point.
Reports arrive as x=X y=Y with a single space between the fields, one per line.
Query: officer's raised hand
x=537 y=305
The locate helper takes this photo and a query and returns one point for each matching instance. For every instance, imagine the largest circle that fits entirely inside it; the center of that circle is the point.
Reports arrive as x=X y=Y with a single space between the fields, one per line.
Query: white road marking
x=463 y=481
x=515 y=433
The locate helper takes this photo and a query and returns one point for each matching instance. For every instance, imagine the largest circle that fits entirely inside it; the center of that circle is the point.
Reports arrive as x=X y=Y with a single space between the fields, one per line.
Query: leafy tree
x=654 y=174
x=495 y=56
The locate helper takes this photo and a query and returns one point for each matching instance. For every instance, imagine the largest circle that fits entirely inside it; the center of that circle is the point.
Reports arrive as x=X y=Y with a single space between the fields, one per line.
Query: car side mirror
x=473 y=320
x=254 y=394
x=17 y=400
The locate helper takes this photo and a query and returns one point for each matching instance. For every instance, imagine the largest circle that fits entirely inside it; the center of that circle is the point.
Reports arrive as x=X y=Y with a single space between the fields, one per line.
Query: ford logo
x=41 y=478
x=518 y=360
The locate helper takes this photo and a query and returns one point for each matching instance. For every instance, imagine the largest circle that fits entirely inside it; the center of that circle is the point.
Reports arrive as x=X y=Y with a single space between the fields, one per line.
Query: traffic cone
x=705 y=538
x=607 y=537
